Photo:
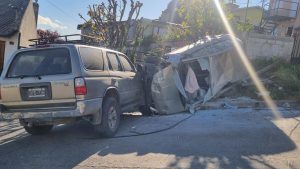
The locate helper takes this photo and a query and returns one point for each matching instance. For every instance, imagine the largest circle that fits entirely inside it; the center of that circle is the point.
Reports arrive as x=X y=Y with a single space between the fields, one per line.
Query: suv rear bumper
x=83 y=108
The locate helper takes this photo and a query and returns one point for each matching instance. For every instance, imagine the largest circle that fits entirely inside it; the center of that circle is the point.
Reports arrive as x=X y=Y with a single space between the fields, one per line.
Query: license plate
x=36 y=92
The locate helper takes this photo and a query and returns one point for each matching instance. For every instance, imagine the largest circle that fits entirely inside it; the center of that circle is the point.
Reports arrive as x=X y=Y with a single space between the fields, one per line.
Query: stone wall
x=267 y=46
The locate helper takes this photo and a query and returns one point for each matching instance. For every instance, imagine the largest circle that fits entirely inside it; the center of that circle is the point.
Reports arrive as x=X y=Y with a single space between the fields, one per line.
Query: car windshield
x=40 y=62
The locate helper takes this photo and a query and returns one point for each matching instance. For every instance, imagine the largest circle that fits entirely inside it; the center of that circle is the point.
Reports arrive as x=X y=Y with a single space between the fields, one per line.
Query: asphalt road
x=242 y=138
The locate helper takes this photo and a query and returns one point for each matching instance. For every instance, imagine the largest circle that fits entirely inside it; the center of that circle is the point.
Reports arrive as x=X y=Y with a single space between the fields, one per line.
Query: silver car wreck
x=195 y=74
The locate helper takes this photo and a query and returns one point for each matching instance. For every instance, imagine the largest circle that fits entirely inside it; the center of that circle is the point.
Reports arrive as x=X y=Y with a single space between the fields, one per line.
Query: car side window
x=126 y=63
x=113 y=62
x=92 y=58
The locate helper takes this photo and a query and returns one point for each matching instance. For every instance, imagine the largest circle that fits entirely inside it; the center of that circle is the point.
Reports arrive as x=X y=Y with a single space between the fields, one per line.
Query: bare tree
x=110 y=21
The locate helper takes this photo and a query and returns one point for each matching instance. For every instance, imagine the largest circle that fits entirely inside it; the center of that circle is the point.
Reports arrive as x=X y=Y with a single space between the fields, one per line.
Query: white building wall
x=28 y=30
x=11 y=45
x=28 y=26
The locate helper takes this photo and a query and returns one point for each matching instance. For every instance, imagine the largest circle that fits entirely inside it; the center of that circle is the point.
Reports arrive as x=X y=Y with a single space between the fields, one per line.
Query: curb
x=255 y=104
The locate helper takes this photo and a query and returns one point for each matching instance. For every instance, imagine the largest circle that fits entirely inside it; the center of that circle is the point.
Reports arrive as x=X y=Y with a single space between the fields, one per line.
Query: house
x=157 y=27
x=280 y=17
x=18 y=24
x=295 y=58
x=151 y=28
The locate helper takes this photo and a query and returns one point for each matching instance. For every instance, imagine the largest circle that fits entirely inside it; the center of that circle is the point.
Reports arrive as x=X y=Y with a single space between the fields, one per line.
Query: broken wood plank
x=260 y=72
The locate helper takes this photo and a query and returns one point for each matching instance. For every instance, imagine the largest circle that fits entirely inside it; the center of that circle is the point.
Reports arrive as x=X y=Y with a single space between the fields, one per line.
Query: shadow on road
x=225 y=139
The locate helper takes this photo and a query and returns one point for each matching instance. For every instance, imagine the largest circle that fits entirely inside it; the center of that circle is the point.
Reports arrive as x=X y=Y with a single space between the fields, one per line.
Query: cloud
x=57 y=21
x=54 y=24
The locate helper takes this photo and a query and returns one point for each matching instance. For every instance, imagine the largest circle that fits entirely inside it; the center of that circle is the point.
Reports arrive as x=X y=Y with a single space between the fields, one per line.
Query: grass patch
x=282 y=82
x=286 y=82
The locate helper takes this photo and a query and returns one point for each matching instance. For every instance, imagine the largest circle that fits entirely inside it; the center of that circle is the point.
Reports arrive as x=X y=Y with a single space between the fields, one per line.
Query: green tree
x=198 y=18
x=244 y=26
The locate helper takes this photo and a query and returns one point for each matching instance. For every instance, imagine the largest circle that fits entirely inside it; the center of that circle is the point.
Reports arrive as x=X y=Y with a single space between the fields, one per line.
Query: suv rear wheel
x=38 y=130
x=110 y=118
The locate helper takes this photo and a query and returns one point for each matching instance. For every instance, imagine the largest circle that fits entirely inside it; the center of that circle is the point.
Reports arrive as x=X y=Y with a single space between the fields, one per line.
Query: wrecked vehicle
x=195 y=74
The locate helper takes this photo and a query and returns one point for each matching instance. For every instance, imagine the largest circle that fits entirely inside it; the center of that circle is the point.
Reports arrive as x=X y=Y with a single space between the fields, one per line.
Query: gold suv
x=59 y=83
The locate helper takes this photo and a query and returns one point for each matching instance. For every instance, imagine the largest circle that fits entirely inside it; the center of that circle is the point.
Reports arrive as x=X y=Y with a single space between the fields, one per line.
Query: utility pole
x=247 y=11
x=263 y=12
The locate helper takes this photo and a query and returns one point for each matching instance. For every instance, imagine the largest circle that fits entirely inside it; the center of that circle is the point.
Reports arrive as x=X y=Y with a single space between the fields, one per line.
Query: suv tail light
x=80 y=86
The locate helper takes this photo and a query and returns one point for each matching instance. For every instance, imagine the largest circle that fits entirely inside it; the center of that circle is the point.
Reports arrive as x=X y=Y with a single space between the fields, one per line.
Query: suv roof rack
x=65 y=39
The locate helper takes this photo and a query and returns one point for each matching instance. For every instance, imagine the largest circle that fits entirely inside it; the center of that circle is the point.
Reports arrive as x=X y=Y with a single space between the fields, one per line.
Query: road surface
x=231 y=138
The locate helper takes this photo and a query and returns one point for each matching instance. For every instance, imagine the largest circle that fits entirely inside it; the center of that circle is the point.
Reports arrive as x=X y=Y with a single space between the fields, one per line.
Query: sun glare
x=261 y=88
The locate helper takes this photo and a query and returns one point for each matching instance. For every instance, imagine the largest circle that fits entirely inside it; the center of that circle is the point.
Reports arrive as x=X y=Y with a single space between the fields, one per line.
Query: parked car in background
x=59 y=83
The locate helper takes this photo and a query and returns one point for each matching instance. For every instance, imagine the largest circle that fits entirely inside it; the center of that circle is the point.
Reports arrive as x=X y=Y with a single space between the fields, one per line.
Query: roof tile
x=11 y=14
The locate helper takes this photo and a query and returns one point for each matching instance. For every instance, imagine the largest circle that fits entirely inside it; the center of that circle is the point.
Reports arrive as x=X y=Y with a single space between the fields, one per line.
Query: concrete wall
x=267 y=46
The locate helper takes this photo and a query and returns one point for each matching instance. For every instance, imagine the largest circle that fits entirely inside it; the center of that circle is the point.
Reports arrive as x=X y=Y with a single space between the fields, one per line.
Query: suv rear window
x=92 y=58
x=41 y=62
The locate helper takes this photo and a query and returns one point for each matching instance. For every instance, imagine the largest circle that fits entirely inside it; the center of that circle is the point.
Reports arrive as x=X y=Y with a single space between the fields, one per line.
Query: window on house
x=289 y=31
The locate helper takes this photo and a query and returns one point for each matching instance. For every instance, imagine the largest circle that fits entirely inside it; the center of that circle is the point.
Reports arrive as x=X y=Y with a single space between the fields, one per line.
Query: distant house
x=152 y=28
x=281 y=17
x=18 y=24
x=158 y=27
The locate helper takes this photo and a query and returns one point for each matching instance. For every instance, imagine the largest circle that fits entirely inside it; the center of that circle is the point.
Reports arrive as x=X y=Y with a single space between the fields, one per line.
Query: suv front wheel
x=38 y=130
x=110 y=118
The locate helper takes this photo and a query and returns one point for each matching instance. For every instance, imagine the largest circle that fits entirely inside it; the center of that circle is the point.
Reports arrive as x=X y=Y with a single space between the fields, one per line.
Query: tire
x=38 y=130
x=146 y=111
x=110 y=118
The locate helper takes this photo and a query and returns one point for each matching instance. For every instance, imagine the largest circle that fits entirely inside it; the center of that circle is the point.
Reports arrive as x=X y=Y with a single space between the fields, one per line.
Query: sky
x=243 y=3
x=62 y=15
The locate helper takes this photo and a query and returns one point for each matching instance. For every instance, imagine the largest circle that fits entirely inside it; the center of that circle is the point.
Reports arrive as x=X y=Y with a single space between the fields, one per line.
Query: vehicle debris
x=195 y=74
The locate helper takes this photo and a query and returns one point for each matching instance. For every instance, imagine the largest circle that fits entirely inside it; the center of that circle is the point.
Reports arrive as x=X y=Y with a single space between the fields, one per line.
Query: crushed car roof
x=210 y=46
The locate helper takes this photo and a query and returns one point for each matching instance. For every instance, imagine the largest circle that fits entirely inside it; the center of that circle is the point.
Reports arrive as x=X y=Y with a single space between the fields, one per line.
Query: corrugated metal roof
x=11 y=14
x=204 y=48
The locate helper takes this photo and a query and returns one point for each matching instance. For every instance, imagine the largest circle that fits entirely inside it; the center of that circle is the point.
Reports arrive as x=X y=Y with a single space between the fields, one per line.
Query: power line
x=62 y=11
